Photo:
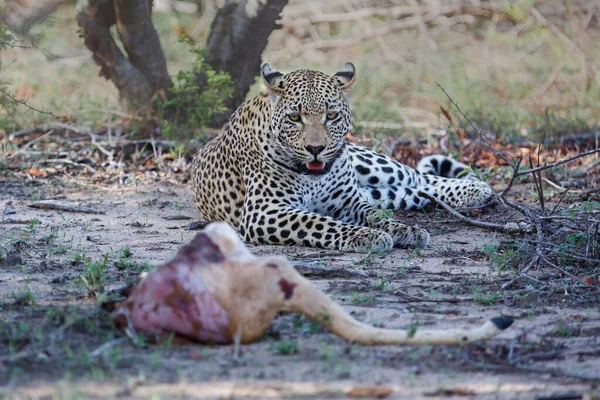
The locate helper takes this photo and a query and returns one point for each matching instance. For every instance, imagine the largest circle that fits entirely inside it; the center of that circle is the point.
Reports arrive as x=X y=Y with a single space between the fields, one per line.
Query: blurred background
x=521 y=70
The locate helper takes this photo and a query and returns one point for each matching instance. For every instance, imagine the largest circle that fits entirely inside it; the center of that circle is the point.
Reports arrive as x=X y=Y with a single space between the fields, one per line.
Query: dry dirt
x=57 y=342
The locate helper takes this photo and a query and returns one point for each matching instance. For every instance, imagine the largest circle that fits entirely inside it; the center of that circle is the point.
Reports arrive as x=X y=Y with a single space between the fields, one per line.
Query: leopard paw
x=370 y=240
x=420 y=237
x=476 y=194
x=405 y=235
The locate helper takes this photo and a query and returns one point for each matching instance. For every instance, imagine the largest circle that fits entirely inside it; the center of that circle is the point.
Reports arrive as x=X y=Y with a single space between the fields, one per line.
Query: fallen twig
x=53 y=205
x=29 y=144
x=328 y=272
x=67 y=161
x=508 y=227
x=24 y=132
x=521 y=273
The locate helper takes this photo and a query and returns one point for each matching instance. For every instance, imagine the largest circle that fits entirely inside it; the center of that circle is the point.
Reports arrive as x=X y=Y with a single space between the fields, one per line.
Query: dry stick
x=557 y=186
x=24 y=103
x=481 y=224
x=537 y=181
x=25 y=132
x=107 y=346
x=319 y=270
x=562 y=197
x=29 y=144
x=544 y=259
x=520 y=274
x=67 y=161
x=86 y=131
x=53 y=205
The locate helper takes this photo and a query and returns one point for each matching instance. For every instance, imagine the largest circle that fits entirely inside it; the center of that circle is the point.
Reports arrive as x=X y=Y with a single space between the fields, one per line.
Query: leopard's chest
x=324 y=193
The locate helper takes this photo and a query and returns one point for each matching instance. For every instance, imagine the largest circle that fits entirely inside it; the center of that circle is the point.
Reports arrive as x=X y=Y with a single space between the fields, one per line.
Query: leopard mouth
x=315 y=167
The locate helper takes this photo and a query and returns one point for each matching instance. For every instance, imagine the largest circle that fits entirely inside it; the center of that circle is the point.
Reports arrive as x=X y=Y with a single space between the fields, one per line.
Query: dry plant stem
x=86 y=131
x=29 y=144
x=525 y=270
x=67 y=161
x=533 y=218
x=481 y=224
x=320 y=270
x=538 y=184
x=562 y=197
x=545 y=260
x=53 y=205
x=24 y=132
x=556 y=186
x=514 y=176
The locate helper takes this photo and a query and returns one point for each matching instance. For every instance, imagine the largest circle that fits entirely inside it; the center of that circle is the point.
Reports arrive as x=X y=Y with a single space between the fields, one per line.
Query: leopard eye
x=331 y=115
x=294 y=117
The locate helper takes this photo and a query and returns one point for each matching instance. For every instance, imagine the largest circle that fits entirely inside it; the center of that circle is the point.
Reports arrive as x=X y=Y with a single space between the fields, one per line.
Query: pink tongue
x=315 y=165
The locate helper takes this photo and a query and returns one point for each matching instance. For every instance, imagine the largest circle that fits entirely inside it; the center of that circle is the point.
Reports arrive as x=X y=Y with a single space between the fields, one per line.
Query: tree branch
x=24 y=103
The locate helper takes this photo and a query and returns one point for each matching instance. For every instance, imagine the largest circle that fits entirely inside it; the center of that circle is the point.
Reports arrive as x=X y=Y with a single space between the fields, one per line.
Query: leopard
x=282 y=172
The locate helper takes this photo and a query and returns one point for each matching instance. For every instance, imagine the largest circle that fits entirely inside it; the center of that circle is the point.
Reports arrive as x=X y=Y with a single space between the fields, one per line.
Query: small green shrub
x=506 y=255
x=195 y=97
x=486 y=299
x=125 y=260
x=284 y=346
x=93 y=276
x=24 y=296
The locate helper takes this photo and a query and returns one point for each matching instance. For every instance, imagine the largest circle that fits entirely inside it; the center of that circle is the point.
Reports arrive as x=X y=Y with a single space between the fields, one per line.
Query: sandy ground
x=57 y=342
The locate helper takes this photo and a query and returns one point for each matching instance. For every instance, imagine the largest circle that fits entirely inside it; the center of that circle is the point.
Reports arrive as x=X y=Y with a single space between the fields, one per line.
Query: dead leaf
x=370 y=392
x=589 y=281
x=446 y=114
x=36 y=172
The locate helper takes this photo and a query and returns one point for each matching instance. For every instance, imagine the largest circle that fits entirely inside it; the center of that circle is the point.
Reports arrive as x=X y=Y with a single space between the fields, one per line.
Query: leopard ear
x=273 y=78
x=345 y=77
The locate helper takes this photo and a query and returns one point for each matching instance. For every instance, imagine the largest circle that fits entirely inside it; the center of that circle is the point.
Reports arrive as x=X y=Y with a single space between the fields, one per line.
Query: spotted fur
x=282 y=172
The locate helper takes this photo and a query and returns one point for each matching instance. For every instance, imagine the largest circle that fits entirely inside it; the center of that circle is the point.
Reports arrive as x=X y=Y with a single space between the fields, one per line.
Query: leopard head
x=310 y=117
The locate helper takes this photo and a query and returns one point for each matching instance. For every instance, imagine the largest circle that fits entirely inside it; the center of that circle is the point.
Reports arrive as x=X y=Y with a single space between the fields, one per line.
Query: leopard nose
x=315 y=150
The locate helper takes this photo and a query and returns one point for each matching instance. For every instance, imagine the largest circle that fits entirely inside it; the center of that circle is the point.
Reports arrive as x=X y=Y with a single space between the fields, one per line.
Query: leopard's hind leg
x=390 y=184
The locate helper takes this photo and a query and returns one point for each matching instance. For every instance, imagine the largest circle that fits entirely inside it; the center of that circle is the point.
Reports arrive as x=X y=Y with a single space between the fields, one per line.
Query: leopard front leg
x=269 y=221
x=360 y=212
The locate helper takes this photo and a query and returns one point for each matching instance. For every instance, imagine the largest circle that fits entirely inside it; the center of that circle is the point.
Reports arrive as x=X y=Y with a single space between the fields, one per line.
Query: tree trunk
x=238 y=36
x=141 y=74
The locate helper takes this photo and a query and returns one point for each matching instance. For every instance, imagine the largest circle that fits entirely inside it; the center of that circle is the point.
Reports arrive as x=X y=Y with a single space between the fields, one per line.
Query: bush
x=195 y=97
